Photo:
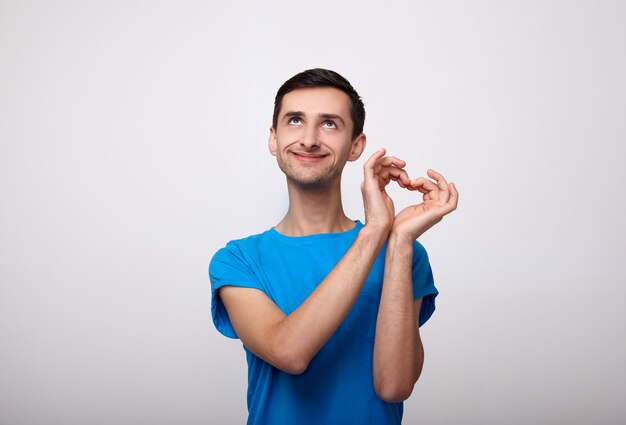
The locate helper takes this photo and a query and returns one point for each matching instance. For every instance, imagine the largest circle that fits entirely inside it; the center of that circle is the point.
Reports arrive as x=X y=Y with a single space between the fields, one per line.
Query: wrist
x=374 y=234
x=400 y=241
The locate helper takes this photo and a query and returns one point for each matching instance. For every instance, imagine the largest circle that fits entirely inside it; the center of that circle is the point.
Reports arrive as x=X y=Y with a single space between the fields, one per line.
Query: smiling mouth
x=308 y=157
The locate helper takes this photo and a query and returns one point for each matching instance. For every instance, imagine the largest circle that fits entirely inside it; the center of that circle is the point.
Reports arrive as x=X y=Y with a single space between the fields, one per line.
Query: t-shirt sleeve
x=423 y=283
x=229 y=267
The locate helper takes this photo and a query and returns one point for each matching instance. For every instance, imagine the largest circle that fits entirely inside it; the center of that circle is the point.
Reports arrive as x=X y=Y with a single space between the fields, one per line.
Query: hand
x=439 y=198
x=378 y=171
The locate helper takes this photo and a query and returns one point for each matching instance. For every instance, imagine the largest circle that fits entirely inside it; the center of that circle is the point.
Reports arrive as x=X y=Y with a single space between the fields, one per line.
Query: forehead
x=317 y=100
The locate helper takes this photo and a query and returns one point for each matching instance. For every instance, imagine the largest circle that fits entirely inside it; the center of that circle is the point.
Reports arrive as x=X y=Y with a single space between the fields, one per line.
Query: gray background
x=133 y=145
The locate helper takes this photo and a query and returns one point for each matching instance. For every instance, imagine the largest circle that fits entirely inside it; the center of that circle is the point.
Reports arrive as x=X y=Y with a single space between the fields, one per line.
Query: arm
x=289 y=342
x=398 y=350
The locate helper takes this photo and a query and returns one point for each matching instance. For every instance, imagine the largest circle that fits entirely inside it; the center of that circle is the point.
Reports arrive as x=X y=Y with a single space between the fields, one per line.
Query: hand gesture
x=378 y=171
x=439 y=198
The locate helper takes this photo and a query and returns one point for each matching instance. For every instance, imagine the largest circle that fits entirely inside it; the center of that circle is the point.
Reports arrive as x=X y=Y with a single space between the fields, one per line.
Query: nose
x=310 y=140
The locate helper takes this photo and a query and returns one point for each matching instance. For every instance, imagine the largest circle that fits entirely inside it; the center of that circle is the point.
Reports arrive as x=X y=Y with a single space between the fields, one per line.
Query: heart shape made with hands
x=439 y=197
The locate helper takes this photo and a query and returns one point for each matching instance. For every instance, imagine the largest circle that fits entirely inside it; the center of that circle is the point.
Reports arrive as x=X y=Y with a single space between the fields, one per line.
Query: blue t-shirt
x=337 y=387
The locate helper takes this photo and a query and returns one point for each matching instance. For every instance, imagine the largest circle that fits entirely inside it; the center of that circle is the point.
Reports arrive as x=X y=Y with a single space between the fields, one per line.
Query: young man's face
x=312 y=139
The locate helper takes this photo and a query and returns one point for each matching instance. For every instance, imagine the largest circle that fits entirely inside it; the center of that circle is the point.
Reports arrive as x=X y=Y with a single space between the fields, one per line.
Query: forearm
x=398 y=352
x=301 y=334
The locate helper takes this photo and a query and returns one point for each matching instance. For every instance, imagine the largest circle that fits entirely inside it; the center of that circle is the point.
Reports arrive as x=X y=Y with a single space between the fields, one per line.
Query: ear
x=358 y=146
x=271 y=142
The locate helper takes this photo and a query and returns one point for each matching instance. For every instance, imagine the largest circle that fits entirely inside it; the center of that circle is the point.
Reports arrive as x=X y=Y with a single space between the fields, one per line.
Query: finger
x=423 y=185
x=453 y=201
x=368 y=167
x=444 y=193
x=454 y=197
x=441 y=181
x=396 y=174
x=429 y=189
x=388 y=161
x=392 y=160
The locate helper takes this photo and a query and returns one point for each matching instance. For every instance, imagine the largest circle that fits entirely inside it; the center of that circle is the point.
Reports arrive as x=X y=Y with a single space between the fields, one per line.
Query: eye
x=295 y=121
x=329 y=124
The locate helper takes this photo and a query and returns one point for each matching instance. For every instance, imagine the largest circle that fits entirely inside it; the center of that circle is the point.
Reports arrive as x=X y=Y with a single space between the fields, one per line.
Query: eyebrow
x=333 y=117
x=292 y=114
x=300 y=114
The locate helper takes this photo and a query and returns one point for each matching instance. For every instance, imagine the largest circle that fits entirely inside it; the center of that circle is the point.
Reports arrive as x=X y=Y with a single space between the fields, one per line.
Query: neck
x=313 y=211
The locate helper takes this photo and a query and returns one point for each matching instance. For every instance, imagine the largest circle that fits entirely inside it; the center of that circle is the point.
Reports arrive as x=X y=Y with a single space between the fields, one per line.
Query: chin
x=312 y=184
x=315 y=182
x=309 y=179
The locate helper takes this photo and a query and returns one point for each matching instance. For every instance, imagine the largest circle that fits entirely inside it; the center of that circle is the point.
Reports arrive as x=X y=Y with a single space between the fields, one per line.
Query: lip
x=308 y=157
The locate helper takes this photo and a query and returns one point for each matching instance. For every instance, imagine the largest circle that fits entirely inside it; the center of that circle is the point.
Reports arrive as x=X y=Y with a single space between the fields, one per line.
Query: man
x=328 y=309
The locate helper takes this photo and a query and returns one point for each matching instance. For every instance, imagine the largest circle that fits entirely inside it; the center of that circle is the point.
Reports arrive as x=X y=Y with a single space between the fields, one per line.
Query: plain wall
x=133 y=145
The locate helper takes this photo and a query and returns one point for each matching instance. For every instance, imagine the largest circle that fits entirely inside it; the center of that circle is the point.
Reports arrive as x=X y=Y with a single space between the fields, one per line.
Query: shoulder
x=239 y=263
x=239 y=248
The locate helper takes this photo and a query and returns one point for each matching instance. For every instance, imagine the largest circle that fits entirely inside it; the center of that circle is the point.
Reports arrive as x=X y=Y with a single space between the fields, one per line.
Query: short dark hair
x=319 y=77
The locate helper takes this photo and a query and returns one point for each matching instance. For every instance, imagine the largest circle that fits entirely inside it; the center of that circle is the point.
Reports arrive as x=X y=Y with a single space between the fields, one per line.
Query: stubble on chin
x=308 y=179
